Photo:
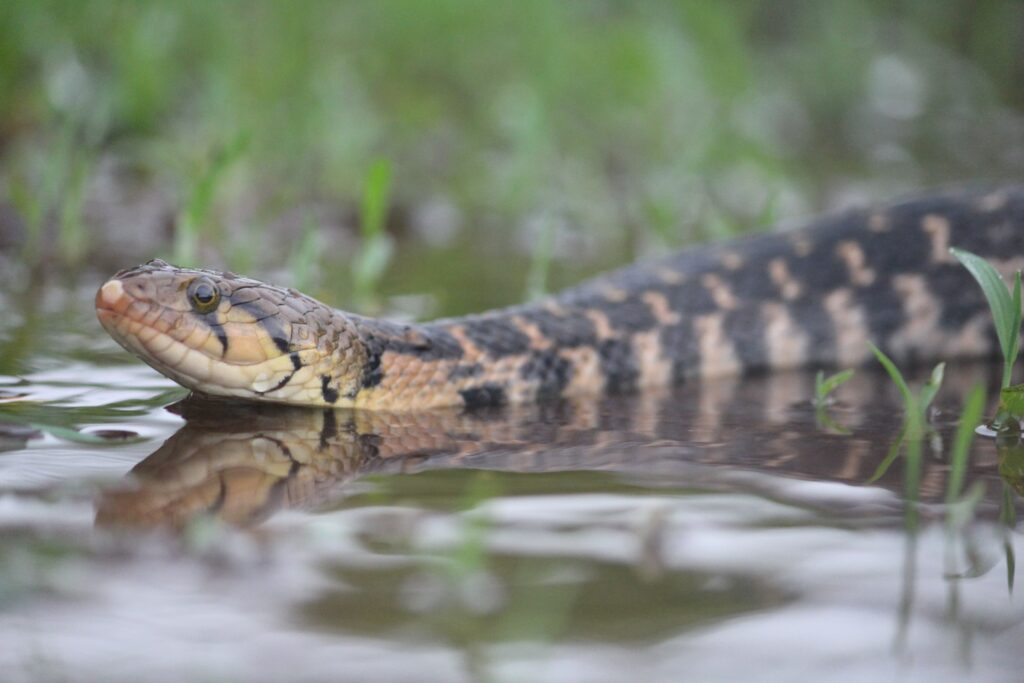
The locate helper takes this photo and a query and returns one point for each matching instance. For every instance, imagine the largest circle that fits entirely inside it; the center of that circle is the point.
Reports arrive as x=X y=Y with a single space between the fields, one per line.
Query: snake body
x=810 y=297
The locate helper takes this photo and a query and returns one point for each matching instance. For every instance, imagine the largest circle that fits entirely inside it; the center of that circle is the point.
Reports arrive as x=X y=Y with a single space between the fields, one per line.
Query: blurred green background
x=442 y=156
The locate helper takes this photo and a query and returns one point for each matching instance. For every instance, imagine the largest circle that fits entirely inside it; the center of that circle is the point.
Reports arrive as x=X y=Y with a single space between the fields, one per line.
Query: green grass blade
x=1014 y=332
x=375 y=250
x=931 y=387
x=895 y=374
x=204 y=190
x=997 y=294
x=375 y=199
x=823 y=386
x=969 y=419
x=303 y=260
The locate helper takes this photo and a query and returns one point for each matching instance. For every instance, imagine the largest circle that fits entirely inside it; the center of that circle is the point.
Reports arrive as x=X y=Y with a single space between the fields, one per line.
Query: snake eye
x=203 y=296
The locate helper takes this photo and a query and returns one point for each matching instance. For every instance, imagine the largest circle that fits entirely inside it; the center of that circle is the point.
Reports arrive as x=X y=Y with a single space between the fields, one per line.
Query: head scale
x=230 y=336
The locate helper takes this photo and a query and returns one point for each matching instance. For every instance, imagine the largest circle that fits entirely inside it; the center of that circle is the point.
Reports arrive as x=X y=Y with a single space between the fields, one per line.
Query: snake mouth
x=134 y=325
x=193 y=350
x=111 y=301
x=114 y=309
x=131 y=322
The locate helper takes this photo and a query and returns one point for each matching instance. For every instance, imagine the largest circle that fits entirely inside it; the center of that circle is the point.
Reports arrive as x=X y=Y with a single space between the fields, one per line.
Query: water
x=718 y=531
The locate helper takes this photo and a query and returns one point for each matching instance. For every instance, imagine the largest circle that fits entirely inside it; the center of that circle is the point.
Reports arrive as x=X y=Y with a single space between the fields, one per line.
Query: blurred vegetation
x=245 y=134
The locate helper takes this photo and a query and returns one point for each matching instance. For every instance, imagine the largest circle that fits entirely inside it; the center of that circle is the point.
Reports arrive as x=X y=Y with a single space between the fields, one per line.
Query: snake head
x=225 y=335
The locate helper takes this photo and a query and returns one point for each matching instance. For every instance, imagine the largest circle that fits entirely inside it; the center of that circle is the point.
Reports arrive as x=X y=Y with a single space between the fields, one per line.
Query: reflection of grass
x=1008 y=517
x=970 y=416
x=31 y=566
x=64 y=422
x=960 y=507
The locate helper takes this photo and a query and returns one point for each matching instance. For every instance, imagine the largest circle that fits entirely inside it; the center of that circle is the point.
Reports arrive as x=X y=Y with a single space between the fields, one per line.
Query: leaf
x=374 y=256
x=1014 y=331
x=931 y=387
x=998 y=296
x=895 y=374
x=823 y=386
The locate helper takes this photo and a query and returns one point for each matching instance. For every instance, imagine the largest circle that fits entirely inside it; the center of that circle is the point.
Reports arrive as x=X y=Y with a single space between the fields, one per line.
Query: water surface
x=723 y=529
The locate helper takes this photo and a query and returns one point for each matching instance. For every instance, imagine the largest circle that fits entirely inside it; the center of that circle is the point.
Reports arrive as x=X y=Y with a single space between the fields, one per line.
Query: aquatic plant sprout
x=914 y=403
x=1006 y=310
x=913 y=428
x=824 y=386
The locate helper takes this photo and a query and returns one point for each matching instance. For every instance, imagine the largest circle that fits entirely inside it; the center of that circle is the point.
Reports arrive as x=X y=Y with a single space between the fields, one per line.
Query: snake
x=813 y=296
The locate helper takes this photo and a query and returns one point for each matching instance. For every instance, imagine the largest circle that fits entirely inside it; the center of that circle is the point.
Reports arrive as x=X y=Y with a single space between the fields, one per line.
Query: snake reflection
x=244 y=463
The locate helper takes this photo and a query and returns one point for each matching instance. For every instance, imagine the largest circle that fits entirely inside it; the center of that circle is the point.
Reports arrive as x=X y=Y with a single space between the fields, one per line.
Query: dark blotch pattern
x=329 y=393
x=745 y=324
x=265 y=318
x=619 y=364
x=372 y=372
x=497 y=336
x=329 y=430
x=428 y=343
x=568 y=330
x=631 y=315
x=282 y=344
x=222 y=336
x=550 y=370
x=682 y=342
x=484 y=396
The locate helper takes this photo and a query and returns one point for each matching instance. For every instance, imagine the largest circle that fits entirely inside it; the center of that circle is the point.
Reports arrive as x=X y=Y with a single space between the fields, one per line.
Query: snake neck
x=813 y=297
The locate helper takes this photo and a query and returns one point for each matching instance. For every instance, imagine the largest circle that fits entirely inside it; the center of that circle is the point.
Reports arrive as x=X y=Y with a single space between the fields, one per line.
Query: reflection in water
x=244 y=462
x=1011 y=462
x=699 y=530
